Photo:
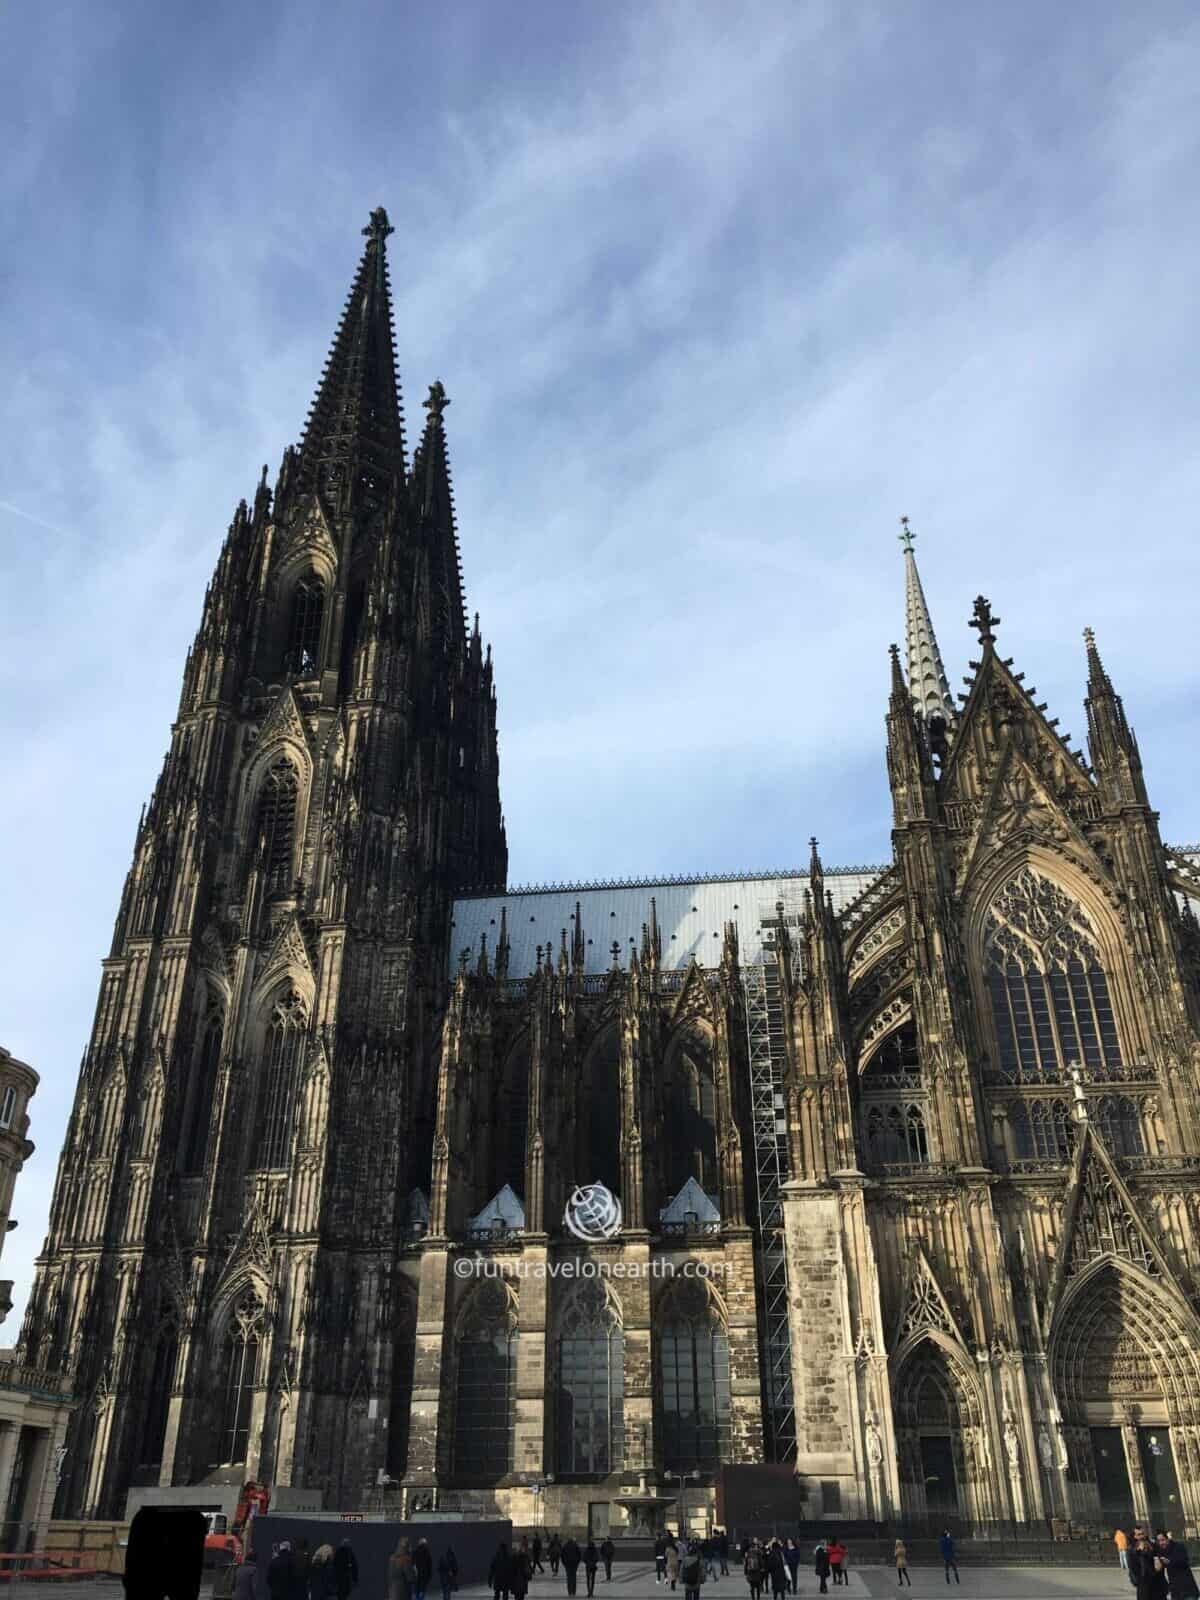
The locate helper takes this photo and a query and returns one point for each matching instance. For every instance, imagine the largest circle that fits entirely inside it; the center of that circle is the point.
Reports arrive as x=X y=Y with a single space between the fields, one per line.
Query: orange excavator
x=225 y=1543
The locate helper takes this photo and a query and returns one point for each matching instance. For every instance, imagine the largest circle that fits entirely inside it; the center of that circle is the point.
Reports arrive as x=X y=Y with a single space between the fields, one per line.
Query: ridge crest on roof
x=665 y=881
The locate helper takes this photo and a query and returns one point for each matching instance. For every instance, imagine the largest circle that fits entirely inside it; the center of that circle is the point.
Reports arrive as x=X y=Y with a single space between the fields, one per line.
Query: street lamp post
x=683 y=1477
x=539 y=1489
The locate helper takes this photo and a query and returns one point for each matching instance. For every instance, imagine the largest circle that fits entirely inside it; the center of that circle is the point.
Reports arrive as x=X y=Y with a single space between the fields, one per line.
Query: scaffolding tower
x=766 y=1053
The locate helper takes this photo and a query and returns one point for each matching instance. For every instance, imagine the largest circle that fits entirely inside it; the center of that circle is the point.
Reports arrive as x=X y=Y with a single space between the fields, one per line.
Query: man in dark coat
x=607 y=1551
x=554 y=1551
x=345 y=1570
x=1178 y=1569
x=591 y=1560
x=821 y=1567
x=570 y=1560
x=1147 y=1571
x=722 y=1543
x=498 y=1573
x=422 y=1569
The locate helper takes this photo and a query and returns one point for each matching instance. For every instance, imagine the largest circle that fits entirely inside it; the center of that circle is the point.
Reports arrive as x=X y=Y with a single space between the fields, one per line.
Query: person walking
x=591 y=1560
x=607 y=1551
x=498 y=1573
x=791 y=1554
x=422 y=1562
x=660 y=1557
x=901 y=1557
x=345 y=1570
x=1121 y=1540
x=691 y=1570
x=777 y=1567
x=554 y=1551
x=447 y=1570
x=279 y=1572
x=946 y=1547
x=1177 y=1568
x=821 y=1567
x=837 y=1560
x=672 y=1563
x=1147 y=1571
x=570 y=1562
x=401 y=1577
x=301 y=1568
x=536 y=1554
x=754 y=1568
x=722 y=1542
x=518 y=1572
x=321 y=1582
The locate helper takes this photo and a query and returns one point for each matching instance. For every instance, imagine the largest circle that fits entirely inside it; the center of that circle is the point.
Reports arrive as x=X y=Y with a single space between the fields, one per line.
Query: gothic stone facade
x=929 y=1130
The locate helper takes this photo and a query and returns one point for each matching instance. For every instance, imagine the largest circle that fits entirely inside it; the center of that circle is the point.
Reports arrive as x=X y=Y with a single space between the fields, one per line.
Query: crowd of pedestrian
x=1159 y=1567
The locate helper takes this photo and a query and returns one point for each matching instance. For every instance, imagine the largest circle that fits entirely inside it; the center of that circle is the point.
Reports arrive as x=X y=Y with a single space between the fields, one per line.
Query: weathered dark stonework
x=323 y=1057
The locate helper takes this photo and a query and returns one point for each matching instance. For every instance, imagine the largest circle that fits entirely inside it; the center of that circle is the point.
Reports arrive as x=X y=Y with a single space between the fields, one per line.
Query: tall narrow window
x=509 y=1133
x=276 y=825
x=1042 y=1130
x=599 y=1113
x=896 y=1135
x=204 y=1085
x=1049 y=991
x=1121 y=1124
x=158 y=1398
x=304 y=626
x=690 y=1112
x=280 y=1074
x=693 y=1354
x=486 y=1387
x=242 y=1346
x=590 y=1395
x=7 y=1106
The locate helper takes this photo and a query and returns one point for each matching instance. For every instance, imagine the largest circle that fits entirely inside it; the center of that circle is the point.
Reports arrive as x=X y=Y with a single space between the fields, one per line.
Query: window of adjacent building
x=276 y=824
x=590 y=1393
x=1049 y=991
x=282 y=1055
x=304 y=625
x=693 y=1354
x=8 y=1106
x=485 y=1389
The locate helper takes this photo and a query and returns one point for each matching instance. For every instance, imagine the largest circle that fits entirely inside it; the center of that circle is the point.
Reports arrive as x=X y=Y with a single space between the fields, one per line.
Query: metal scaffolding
x=766 y=1052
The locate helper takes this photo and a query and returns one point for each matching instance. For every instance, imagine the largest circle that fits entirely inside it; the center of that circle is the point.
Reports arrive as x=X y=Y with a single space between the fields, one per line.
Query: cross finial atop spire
x=377 y=230
x=984 y=621
x=908 y=537
x=437 y=402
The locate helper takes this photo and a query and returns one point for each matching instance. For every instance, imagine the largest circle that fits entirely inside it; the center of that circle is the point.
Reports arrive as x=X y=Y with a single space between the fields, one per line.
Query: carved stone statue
x=1012 y=1444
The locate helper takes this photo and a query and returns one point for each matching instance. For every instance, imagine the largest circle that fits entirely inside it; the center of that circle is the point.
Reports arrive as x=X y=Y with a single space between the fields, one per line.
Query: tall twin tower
x=259 y=1066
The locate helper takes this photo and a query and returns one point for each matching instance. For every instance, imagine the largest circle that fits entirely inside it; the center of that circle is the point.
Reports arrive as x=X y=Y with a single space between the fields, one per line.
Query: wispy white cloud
x=718 y=294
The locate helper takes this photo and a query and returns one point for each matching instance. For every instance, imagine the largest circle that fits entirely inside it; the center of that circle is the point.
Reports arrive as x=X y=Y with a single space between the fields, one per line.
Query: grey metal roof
x=691 y=916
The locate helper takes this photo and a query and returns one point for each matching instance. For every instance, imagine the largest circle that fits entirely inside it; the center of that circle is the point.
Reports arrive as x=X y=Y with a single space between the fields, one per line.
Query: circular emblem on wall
x=593 y=1213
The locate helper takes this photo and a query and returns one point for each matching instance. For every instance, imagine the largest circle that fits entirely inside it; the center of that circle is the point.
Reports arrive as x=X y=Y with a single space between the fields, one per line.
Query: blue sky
x=718 y=293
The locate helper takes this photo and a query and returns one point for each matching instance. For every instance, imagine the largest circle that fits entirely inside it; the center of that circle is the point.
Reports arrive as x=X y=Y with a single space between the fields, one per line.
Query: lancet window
x=276 y=824
x=599 y=1114
x=1042 y=1130
x=158 y=1397
x=486 y=1386
x=242 y=1349
x=690 y=1107
x=693 y=1356
x=282 y=1054
x=590 y=1394
x=304 y=625
x=1049 y=991
x=204 y=1085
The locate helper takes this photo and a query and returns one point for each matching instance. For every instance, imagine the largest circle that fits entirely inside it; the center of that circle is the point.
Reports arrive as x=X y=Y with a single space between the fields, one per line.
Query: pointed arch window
x=896 y=1135
x=304 y=625
x=510 y=1130
x=1048 y=988
x=691 y=1114
x=693 y=1359
x=590 y=1393
x=204 y=1088
x=158 y=1398
x=276 y=825
x=599 y=1113
x=1042 y=1130
x=1120 y=1124
x=282 y=1053
x=486 y=1387
x=242 y=1351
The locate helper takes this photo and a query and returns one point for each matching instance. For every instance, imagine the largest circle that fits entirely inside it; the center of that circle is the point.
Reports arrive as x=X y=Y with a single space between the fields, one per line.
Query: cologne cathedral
x=907 y=1156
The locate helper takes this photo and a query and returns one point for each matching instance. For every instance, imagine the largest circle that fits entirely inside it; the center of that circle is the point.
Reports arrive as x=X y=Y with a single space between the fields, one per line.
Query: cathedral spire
x=1116 y=760
x=927 y=681
x=435 y=505
x=353 y=445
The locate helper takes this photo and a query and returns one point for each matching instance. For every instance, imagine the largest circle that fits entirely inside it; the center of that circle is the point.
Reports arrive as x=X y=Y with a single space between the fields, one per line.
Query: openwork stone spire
x=927 y=680
x=353 y=446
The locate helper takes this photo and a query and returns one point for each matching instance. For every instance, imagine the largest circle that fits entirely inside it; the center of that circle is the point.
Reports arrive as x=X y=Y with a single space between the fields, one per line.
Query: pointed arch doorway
x=1127 y=1380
